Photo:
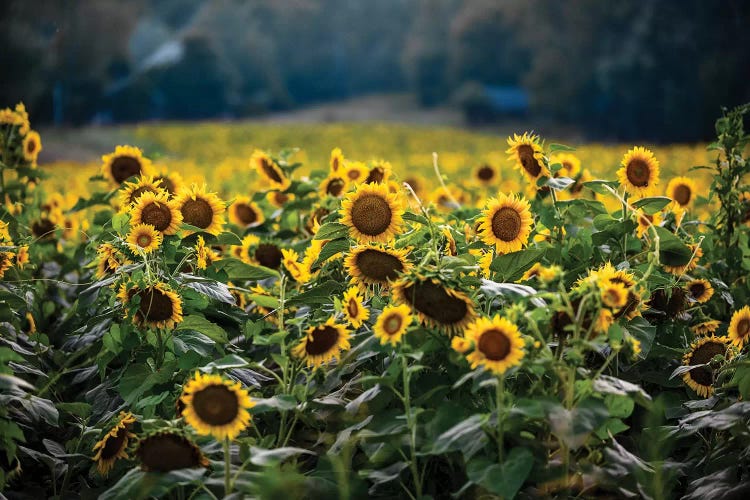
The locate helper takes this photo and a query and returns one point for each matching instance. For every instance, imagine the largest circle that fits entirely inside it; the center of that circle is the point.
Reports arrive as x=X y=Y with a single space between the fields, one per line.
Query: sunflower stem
x=227 y=465
x=499 y=398
x=412 y=428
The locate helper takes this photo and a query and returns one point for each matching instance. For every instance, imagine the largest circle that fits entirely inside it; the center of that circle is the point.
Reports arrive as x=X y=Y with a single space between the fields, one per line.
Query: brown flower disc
x=155 y=305
x=197 y=213
x=638 y=173
x=158 y=215
x=529 y=163
x=268 y=255
x=436 y=303
x=324 y=338
x=216 y=405
x=506 y=224
x=167 y=452
x=702 y=355
x=494 y=344
x=371 y=215
x=378 y=266
x=125 y=167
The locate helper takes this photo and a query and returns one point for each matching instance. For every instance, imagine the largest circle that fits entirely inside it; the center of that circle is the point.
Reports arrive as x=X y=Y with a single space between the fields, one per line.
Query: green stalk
x=227 y=464
x=412 y=428
x=499 y=398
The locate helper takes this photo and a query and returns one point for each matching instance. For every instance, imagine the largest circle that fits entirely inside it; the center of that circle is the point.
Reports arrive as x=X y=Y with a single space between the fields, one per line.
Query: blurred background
x=614 y=71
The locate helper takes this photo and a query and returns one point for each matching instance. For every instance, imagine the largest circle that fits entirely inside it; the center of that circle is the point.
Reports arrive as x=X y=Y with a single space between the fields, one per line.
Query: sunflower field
x=201 y=315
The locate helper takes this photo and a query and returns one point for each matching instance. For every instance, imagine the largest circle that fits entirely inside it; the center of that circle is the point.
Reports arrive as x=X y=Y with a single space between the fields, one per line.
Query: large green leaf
x=511 y=266
x=238 y=270
x=198 y=323
x=672 y=251
x=503 y=479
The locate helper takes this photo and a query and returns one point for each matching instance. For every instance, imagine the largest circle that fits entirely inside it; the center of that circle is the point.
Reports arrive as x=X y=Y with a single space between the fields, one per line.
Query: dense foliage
x=541 y=331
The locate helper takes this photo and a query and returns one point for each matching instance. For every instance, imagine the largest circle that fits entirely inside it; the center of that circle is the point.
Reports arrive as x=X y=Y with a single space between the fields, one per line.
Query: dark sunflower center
x=378 y=266
x=743 y=327
x=638 y=173
x=125 y=167
x=167 y=184
x=435 y=302
x=371 y=214
x=31 y=146
x=697 y=290
x=611 y=296
x=167 y=452
x=158 y=215
x=335 y=164
x=353 y=174
x=494 y=344
x=143 y=240
x=376 y=175
x=506 y=224
x=245 y=214
x=529 y=163
x=269 y=255
x=324 y=338
x=682 y=194
x=485 y=173
x=138 y=192
x=281 y=198
x=567 y=166
x=335 y=186
x=270 y=171
x=155 y=305
x=43 y=229
x=392 y=324
x=114 y=444
x=702 y=355
x=353 y=308
x=216 y=405
x=197 y=213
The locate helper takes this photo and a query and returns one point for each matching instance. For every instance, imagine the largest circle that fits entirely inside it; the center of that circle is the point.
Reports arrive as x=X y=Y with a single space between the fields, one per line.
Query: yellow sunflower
x=269 y=170
x=22 y=256
x=526 y=153
x=168 y=450
x=215 y=406
x=290 y=259
x=278 y=198
x=604 y=320
x=614 y=295
x=739 y=327
x=144 y=237
x=245 y=212
x=645 y=221
x=171 y=182
x=700 y=290
x=32 y=145
x=337 y=160
x=204 y=254
x=497 y=344
x=335 y=185
x=379 y=172
x=201 y=209
x=356 y=171
x=108 y=260
x=706 y=327
x=571 y=165
x=157 y=210
x=696 y=256
x=370 y=265
x=354 y=308
x=639 y=172
x=506 y=223
x=701 y=352
x=124 y=163
x=6 y=262
x=372 y=213
x=4 y=231
x=485 y=174
x=323 y=343
x=131 y=191
x=682 y=191
x=159 y=306
x=392 y=324
x=436 y=305
x=114 y=444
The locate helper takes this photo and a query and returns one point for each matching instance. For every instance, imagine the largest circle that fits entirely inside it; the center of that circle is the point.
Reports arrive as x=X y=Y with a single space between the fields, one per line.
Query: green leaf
x=554 y=148
x=332 y=248
x=511 y=266
x=318 y=295
x=467 y=436
x=331 y=231
x=420 y=219
x=227 y=238
x=672 y=251
x=502 y=479
x=281 y=402
x=81 y=410
x=238 y=270
x=139 y=378
x=225 y=363
x=652 y=204
x=598 y=186
x=200 y=324
x=119 y=221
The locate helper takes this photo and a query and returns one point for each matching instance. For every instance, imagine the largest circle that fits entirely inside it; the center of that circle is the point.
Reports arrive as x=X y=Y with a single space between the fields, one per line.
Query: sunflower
x=570 y=165
x=485 y=174
x=268 y=254
x=245 y=213
x=334 y=185
x=144 y=237
x=201 y=209
x=506 y=223
x=32 y=145
x=157 y=210
x=697 y=253
x=436 y=305
x=269 y=170
x=392 y=324
x=497 y=344
x=527 y=155
x=23 y=116
x=4 y=231
x=739 y=327
x=131 y=191
x=108 y=260
x=22 y=256
x=6 y=261
x=700 y=290
x=113 y=445
x=278 y=198
x=323 y=343
x=604 y=320
x=706 y=327
x=372 y=213
x=337 y=160
x=614 y=295
x=44 y=229
x=204 y=254
x=124 y=163
x=159 y=306
x=356 y=171
x=290 y=260
x=701 y=352
x=645 y=221
x=639 y=172
x=379 y=173
x=354 y=308
x=375 y=265
x=682 y=191
x=171 y=182
x=450 y=242
x=216 y=406
x=168 y=450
